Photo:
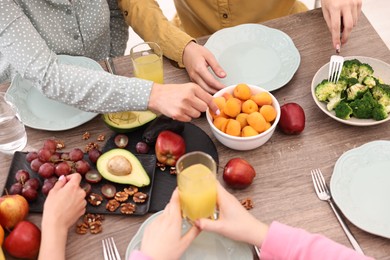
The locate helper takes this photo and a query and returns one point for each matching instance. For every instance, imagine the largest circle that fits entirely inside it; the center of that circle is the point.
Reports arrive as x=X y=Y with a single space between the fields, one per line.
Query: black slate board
x=147 y=161
x=164 y=183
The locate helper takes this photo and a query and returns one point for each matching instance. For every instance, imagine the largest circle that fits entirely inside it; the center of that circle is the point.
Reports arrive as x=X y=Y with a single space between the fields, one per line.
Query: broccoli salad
x=357 y=93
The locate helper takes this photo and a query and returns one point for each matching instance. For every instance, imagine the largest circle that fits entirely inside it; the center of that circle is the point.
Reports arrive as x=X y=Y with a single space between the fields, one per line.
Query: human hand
x=197 y=59
x=65 y=202
x=234 y=221
x=180 y=101
x=162 y=238
x=337 y=11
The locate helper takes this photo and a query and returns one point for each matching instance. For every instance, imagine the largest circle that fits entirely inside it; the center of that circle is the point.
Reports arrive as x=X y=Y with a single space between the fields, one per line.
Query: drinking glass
x=147 y=59
x=13 y=135
x=197 y=184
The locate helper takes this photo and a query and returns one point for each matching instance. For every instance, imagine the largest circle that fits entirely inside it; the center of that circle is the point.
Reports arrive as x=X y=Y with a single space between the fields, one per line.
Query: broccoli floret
x=351 y=68
x=356 y=91
x=364 y=71
x=370 y=81
x=362 y=108
x=381 y=93
x=379 y=112
x=325 y=89
x=333 y=101
x=343 y=110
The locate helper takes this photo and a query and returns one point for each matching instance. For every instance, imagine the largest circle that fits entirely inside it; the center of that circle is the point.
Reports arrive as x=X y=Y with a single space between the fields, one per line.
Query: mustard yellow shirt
x=204 y=17
x=198 y=18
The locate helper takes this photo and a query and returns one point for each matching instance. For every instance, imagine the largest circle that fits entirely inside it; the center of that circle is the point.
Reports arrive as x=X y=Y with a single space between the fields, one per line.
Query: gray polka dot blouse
x=33 y=32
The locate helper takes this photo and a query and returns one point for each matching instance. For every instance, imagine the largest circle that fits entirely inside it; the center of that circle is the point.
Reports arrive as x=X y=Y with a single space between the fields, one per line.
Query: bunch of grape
x=50 y=164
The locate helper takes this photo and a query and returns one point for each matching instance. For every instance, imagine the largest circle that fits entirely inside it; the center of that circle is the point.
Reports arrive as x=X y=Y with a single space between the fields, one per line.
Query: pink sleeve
x=284 y=242
x=138 y=255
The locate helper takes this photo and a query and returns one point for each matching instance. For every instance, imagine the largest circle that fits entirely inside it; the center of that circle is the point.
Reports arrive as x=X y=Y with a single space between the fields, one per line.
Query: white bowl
x=381 y=70
x=244 y=143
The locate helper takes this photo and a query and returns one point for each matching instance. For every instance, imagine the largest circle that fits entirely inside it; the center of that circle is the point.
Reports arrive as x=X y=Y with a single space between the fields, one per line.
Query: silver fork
x=335 y=67
x=324 y=194
x=110 y=252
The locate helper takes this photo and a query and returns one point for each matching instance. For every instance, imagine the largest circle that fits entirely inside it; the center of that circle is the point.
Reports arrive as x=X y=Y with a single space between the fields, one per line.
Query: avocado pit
x=119 y=165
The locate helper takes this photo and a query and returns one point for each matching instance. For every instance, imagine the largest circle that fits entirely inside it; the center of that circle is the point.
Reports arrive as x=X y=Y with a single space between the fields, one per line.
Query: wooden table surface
x=282 y=189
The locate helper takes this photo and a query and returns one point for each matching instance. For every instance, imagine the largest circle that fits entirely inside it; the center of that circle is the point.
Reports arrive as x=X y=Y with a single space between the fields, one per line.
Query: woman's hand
x=234 y=221
x=197 y=59
x=182 y=102
x=63 y=206
x=340 y=14
x=162 y=238
x=65 y=202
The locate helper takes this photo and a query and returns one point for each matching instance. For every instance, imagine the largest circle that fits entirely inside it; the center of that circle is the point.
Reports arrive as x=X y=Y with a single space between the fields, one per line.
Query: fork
x=335 y=67
x=110 y=252
x=323 y=193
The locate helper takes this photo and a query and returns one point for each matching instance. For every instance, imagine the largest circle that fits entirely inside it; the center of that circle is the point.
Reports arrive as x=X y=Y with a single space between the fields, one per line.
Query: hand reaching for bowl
x=182 y=102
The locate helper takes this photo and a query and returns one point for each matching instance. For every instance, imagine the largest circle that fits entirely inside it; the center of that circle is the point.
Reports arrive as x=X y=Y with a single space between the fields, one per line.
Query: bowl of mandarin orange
x=248 y=116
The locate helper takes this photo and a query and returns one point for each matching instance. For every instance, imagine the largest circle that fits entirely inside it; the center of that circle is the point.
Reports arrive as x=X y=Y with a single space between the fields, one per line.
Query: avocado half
x=128 y=121
x=121 y=166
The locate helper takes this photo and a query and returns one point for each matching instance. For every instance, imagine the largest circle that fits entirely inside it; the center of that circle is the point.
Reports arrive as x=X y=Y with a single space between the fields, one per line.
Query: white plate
x=255 y=54
x=39 y=112
x=206 y=246
x=381 y=70
x=360 y=186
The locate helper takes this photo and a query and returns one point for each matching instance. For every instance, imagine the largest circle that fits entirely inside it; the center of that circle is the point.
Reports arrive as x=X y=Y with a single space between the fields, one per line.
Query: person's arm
x=277 y=241
x=285 y=242
x=63 y=206
x=341 y=14
x=96 y=91
x=147 y=20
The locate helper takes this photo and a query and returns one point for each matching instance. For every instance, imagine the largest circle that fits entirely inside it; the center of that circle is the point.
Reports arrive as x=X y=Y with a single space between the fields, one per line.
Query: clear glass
x=197 y=184
x=13 y=135
x=147 y=59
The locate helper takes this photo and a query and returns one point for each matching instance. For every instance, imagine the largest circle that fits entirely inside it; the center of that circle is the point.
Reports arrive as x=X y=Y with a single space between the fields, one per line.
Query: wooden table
x=283 y=188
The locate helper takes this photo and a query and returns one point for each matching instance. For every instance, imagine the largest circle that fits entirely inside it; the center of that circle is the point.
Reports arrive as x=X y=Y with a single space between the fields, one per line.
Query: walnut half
x=247 y=203
x=140 y=197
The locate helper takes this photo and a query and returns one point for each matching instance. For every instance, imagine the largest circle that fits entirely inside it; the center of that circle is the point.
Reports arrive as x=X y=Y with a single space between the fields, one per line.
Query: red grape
x=82 y=167
x=76 y=154
x=50 y=145
x=142 y=147
x=31 y=156
x=35 y=164
x=29 y=193
x=47 y=186
x=33 y=183
x=94 y=155
x=16 y=188
x=62 y=168
x=46 y=170
x=22 y=176
x=121 y=140
x=44 y=155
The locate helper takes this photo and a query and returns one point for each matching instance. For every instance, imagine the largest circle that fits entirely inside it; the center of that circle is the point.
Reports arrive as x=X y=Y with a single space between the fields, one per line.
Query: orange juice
x=149 y=67
x=198 y=192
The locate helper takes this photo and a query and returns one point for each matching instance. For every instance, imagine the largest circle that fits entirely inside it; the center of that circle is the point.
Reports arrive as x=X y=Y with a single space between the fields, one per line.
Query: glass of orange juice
x=147 y=59
x=197 y=184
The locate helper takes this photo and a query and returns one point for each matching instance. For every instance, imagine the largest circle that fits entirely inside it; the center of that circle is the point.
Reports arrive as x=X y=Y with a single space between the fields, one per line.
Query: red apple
x=23 y=241
x=13 y=209
x=292 y=118
x=238 y=173
x=169 y=147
